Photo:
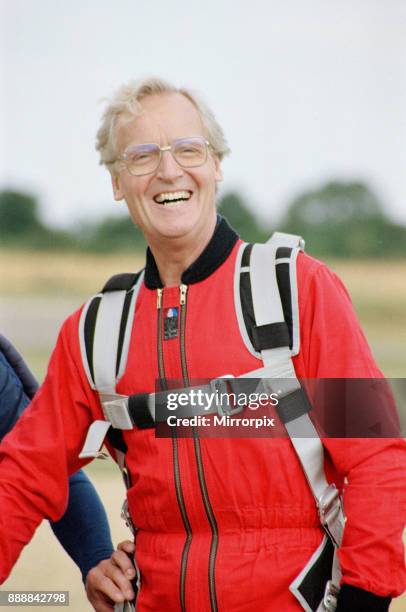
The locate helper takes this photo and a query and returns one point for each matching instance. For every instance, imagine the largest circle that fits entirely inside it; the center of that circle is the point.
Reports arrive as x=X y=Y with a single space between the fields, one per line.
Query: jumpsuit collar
x=215 y=254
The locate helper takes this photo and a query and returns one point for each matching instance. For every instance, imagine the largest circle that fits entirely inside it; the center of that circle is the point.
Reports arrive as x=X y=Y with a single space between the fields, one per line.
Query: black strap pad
x=272 y=335
x=139 y=413
x=121 y=282
x=293 y=405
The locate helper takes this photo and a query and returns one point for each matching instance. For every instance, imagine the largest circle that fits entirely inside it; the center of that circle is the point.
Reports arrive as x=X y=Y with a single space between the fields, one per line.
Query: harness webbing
x=104 y=368
x=266 y=301
x=303 y=434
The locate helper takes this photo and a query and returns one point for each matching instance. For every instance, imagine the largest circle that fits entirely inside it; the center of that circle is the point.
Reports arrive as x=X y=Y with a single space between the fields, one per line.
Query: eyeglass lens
x=145 y=158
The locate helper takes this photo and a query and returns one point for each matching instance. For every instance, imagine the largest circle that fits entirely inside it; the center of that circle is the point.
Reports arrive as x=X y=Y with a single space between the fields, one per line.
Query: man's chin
x=186 y=225
x=177 y=232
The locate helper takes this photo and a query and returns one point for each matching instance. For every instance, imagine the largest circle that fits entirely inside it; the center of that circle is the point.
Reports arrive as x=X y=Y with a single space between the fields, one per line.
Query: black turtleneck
x=215 y=253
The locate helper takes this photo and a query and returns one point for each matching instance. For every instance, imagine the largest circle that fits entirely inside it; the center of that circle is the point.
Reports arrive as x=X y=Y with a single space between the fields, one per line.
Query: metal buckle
x=218 y=385
x=331 y=514
x=116 y=411
x=329 y=504
x=330 y=596
x=125 y=515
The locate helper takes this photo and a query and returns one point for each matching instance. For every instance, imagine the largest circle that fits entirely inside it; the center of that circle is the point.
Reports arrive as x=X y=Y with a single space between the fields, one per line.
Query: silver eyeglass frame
x=162 y=150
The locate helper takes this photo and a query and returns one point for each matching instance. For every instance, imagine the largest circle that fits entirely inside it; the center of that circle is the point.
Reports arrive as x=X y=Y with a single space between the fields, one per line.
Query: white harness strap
x=105 y=342
x=280 y=239
x=105 y=346
x=264 y=285
x=304 y=437
x=277 y=240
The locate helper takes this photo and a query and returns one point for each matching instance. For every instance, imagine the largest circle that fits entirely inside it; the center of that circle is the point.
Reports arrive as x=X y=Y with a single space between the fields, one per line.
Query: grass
x=377 y=288
x=53 y=274
x=378 y=292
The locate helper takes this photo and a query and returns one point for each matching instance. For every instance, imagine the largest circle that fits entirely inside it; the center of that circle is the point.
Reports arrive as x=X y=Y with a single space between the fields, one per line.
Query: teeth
x=170 y=196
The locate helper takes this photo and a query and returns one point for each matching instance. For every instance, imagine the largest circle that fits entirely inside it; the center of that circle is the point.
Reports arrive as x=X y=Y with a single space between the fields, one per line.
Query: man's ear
x=116 y=184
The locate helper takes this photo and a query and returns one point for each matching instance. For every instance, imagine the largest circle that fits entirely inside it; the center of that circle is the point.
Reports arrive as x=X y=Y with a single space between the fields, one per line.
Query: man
x=221 y=524
x=83 y=531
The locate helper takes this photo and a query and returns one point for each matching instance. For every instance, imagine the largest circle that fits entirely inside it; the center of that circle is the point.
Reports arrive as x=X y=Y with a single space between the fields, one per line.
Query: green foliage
x=21 y=226
x=344 y=220
x=338 y=220
x=113 y=234
x=18 y=214
x=242 y=219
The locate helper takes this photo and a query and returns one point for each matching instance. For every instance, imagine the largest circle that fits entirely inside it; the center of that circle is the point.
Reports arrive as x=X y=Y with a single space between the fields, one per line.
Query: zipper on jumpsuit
x=199 y=461
x=176 y=470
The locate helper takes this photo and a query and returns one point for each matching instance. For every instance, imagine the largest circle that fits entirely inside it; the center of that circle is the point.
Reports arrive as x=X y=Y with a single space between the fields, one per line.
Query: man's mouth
x=168 y=198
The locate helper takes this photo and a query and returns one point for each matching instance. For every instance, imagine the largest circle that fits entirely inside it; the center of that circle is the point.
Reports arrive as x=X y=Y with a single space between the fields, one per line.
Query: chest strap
x=145 y=410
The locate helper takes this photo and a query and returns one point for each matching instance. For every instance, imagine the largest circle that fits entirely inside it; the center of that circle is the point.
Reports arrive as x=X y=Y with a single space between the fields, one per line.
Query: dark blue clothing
x=13 y=400
x=83 y=531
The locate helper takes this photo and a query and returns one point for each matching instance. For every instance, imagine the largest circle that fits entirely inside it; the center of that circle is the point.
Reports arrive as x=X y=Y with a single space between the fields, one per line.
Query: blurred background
x=312 y=98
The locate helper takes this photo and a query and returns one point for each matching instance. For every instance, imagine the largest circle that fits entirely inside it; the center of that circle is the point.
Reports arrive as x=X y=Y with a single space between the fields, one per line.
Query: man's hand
x=109 y=582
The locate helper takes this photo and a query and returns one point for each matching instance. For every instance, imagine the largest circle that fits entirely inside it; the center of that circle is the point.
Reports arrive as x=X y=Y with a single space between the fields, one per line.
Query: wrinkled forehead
x=163 y=118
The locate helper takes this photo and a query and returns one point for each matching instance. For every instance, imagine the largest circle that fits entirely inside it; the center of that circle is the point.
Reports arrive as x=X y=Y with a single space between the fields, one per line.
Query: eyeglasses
x=145 y=158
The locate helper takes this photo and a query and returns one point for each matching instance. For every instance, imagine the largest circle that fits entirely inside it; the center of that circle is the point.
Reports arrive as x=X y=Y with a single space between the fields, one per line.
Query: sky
x=306 y=91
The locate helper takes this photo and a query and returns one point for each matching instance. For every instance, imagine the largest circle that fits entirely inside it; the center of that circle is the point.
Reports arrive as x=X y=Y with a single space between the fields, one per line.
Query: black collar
x=215 y=253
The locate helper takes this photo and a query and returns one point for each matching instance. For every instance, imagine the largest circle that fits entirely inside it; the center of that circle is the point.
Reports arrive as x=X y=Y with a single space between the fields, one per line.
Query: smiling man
x=221 y=524
x=170 y=174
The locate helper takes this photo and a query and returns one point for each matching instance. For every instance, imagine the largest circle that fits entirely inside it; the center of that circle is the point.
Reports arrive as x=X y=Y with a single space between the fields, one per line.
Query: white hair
x=127 y=102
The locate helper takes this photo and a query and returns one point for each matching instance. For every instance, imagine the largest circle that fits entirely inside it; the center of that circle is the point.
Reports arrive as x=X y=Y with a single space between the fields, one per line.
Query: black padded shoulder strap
x=121 y=282
x=284 y=285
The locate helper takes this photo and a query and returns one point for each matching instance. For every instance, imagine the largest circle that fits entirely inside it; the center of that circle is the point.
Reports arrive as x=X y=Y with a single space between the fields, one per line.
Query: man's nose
x=168 y=169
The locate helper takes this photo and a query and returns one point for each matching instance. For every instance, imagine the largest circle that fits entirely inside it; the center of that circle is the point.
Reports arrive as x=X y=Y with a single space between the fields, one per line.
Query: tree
x=18 y=214
x=344 y=220
x=113 y=234
x=240 y=217
x=21 y=225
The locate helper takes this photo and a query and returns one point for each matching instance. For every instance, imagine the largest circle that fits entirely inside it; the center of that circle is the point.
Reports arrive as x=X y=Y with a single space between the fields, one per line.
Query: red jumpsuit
x=222 y=523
